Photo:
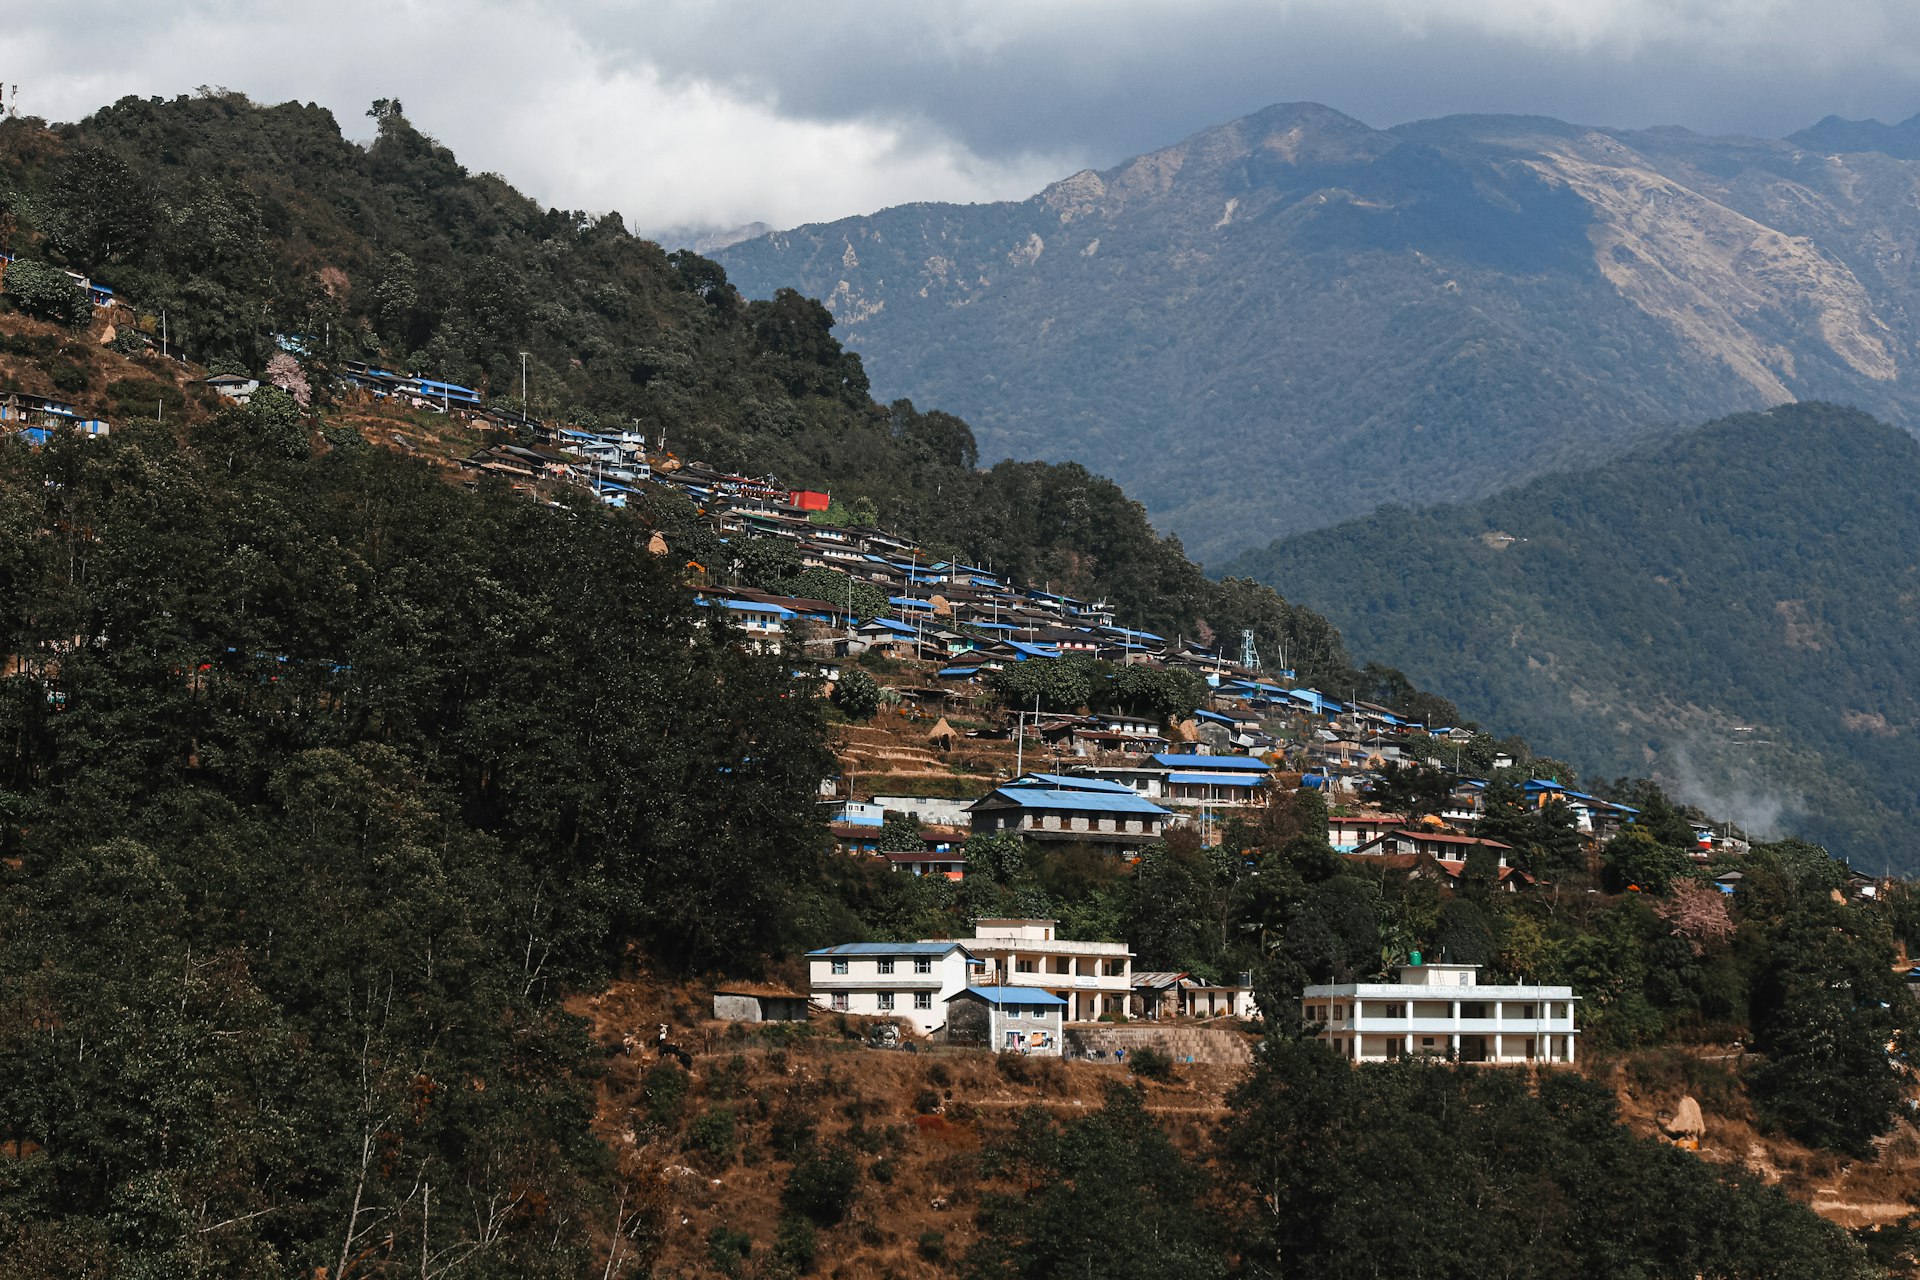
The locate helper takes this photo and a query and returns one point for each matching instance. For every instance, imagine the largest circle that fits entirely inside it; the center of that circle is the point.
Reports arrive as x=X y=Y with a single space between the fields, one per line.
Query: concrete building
x=1093 y=978
x=906 y=980
x=1442 y=1010
x=1008 y=1020
x=1069 y=810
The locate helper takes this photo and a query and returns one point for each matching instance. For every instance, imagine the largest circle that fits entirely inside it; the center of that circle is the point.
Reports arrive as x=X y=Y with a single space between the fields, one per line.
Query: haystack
x=942 y=734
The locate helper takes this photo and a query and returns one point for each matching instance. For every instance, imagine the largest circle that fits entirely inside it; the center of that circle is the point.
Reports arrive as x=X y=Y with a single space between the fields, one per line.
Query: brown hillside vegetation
x=919 y=1122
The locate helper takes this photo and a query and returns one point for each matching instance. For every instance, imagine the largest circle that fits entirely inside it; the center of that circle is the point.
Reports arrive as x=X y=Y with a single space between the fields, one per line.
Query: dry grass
x=917 y=1121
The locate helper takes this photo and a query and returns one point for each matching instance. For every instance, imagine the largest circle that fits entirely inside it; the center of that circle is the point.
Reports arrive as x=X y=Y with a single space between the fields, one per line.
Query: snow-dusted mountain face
x=1287 y=320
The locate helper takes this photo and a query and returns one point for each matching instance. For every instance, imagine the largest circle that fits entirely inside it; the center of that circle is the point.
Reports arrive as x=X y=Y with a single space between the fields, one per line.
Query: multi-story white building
x=1442 y=1010
x=1094 y=978
x=906 y=980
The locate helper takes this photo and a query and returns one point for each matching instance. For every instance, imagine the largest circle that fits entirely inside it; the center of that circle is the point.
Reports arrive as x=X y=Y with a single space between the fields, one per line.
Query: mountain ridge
x=1733 y=610
x=1460 y=302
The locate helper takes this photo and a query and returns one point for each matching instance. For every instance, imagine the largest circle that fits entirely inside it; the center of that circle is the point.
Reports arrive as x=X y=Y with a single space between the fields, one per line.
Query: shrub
x=665 y=1091
x=713 y=1134
x=822 y=1185
x=49 y=293
x=797 y=1244
x=728 y=1249
x=67 y=376
x=933 y=1246
x=730 y=1081
x=926 y=1102
x=1150 y=1064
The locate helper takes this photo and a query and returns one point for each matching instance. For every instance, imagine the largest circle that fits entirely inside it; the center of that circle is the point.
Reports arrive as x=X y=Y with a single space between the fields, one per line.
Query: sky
x=697 y=114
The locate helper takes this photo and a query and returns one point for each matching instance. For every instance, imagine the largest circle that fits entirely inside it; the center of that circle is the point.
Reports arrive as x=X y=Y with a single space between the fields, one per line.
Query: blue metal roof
x=1030 y=996
x=889 y=949
x=1087 y=801
x=1217 y=779
x=754 y=606
x=1066 y=782
x=1026 y=650
x=1239 y=764
x=954 y=673
x=899 y=628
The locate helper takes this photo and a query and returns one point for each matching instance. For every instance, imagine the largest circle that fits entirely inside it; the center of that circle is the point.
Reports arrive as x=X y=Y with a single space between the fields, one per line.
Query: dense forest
x=327 y=781
x=241 y=222
x=1734 y=610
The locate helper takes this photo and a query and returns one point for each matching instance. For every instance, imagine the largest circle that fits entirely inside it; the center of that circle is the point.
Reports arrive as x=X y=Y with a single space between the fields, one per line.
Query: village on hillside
x=944 y=755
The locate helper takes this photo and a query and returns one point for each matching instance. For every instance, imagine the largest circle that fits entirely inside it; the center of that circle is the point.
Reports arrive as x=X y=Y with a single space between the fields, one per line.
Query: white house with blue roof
x=910 y=981
x=1070 y=810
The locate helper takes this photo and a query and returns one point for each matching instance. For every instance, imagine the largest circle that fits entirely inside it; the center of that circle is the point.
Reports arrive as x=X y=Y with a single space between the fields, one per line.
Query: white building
x=1094 y=978
x=1441 y=1010
x=906 y=980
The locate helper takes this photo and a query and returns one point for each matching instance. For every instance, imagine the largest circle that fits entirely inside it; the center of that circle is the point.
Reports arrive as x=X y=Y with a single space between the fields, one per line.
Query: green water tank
x=1414 y=958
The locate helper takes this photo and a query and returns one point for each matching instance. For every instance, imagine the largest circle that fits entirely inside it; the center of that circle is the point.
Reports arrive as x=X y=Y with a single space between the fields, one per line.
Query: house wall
x=969 y=1021
x=737 y=1008
x=1029 y=1030
x=864 y=987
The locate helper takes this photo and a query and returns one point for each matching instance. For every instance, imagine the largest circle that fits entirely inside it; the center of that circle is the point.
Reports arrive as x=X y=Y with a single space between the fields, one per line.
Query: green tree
x=856 y=695
x=1828 y=1014
x=1104 y=1196
x=47 y=293
x=1634 y=858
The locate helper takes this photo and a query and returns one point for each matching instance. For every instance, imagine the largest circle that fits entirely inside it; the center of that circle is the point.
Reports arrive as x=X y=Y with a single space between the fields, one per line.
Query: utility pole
x=523 y=388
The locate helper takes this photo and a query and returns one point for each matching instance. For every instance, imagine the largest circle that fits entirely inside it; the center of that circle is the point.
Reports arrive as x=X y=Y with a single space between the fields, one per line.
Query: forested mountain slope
x=1281 y=322
x=1736 y=611
x=240 y=221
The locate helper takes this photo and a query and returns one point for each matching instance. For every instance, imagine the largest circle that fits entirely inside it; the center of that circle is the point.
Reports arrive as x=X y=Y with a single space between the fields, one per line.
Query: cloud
x=712 y=112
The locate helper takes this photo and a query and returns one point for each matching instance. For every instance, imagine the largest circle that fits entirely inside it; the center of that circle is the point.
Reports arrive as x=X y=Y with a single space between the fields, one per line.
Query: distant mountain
x=1736 y=611
x=1281 y=322
x=708 y=243
x=1902 y=141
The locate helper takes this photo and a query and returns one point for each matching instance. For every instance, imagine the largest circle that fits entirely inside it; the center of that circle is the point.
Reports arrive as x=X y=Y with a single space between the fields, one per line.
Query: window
x=1024 y=966
x=886 y=966
x=839 y=1002
x=1395 y=1011
x=1116 y=967
x=1339 y=1013
x=922 y=964
x=923 y=999
x=886 y=1001
x=839 y=966
x=1012 y=1011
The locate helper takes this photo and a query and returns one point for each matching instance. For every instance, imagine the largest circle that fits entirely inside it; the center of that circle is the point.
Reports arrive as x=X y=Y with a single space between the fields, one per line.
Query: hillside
x=1734 y=611
x=228 y=226
x=1281 y=322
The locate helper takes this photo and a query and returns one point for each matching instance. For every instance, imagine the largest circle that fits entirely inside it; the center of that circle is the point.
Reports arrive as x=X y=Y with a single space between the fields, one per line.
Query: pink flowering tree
x=284 y=372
